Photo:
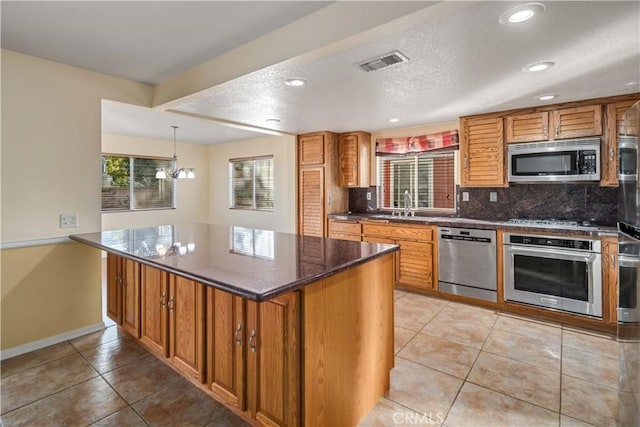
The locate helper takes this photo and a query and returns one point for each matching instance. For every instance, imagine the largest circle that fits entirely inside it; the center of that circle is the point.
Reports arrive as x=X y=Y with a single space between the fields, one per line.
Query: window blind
x=424 y=181
x=251 y=181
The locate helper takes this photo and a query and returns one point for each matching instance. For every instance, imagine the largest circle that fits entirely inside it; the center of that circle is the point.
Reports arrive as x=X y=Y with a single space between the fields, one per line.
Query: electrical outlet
x=493 y=196
x=68 y=220
x=465 y=196
x=368 y=195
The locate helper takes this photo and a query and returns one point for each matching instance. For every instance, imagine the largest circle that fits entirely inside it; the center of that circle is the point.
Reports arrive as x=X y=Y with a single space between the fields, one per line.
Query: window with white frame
x=418 y=181
x=129 y=183
x=251 y=182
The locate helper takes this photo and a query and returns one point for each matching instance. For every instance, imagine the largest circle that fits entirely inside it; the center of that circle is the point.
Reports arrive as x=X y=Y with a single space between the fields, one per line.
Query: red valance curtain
x=417 y=144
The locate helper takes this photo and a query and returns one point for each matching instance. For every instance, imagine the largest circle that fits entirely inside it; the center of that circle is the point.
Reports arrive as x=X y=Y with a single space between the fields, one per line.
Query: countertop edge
x=603 y=231
x=257 y=297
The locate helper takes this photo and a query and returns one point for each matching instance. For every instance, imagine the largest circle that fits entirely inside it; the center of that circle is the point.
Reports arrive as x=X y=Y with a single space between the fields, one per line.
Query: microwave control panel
x=587 y=162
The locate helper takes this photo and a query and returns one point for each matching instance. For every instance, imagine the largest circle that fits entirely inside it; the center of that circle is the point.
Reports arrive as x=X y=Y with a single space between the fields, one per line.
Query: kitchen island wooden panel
x=283 y=345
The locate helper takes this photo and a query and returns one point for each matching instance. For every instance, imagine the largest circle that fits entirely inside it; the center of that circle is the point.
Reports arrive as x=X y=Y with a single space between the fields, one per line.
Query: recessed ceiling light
x=538 y=66
x=295 y=82
x=546 y=97
x=394 y=120
x=521 y=13
x=273 y=120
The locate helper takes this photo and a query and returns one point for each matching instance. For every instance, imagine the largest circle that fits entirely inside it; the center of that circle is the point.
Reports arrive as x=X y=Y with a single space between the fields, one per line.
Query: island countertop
x=252 y=263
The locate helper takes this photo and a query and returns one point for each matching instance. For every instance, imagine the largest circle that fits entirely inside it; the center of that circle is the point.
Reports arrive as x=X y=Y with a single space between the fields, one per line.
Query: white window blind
x=251 y=181
x=129 y=183
x=424 y=181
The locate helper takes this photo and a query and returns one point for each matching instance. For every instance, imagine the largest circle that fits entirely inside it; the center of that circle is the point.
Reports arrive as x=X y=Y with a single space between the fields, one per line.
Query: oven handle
x=567 y=255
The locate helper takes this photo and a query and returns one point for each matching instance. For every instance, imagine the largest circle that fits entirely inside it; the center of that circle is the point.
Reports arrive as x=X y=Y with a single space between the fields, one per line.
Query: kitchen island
x=283 y=329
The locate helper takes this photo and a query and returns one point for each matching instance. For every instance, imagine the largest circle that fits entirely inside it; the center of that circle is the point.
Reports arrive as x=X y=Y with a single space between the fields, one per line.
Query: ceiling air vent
x=383 y=61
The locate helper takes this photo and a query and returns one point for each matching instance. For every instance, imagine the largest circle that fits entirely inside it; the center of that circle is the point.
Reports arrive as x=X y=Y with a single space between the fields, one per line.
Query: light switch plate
x=465 y=196
x=368 y=195
x=68 y=220
x=493 y=196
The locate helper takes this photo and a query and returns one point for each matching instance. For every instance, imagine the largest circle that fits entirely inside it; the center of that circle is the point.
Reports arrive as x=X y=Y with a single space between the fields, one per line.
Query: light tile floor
x=456 y=365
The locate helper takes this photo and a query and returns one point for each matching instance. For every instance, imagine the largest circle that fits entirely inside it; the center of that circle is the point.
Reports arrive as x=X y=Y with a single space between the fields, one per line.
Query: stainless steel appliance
x=467 y=262
x=629 y=284
x=628 y=266
x=566 y=160
x=553 y=272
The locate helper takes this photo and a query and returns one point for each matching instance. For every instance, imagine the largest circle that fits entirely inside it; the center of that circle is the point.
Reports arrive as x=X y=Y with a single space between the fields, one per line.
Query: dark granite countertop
x=443 y=221
x=252 y=263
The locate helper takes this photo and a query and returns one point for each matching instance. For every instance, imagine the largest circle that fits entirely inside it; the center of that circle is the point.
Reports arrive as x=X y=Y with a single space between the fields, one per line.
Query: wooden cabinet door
x=311 y=149
x=416 y=264
x=614 y=126
x=577 y=122
x=186 y=326
x=610 y=280
x=154 y=296
x=348 y=159
x=114 y=287
x=273 y=360
x=226 y=345
x=354 y=153
x=482 y=153
x=131 y=297
x=311 y=202
x=527 y=127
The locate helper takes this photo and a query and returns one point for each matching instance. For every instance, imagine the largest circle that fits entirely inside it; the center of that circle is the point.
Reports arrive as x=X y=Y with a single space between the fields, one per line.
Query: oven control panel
x=557 y=242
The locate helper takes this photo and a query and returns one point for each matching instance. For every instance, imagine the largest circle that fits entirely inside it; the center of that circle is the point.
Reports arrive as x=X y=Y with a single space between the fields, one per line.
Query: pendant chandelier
x=177 y=173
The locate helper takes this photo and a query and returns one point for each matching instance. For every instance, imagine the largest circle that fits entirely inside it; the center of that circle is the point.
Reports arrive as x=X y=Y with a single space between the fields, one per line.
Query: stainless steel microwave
x=566 y=160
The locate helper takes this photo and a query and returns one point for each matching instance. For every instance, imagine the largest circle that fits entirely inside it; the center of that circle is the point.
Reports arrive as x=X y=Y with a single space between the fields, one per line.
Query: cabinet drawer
x=344 y=236
x=345 y=227
x=399 y=231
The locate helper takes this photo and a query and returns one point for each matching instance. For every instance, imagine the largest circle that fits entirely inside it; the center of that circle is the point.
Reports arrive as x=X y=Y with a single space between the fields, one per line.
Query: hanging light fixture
x=178 y=173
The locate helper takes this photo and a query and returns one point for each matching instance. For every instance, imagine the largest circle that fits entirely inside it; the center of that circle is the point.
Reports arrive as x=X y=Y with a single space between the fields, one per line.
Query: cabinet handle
x=238 y=338
x=162 y=298
x=252 y=340
x=544 y=131
x=557 y=130
x=171 y=304
x=611 y=153
x=466 y=161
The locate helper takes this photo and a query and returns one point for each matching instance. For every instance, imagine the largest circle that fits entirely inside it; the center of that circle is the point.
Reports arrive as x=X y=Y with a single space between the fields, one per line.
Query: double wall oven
x=553 y=272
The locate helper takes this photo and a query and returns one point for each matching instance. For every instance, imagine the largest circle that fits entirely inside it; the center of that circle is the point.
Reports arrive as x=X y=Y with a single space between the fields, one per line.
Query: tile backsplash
x=577 y=202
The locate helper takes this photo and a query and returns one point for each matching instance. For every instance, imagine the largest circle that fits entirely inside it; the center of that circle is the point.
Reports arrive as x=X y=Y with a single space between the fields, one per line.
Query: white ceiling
x=462 y=61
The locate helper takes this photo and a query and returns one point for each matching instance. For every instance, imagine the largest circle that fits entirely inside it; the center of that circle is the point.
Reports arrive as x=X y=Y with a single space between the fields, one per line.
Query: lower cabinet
x=253 y=355
x=416 y=259
x=248 y=354
x=610 y=280
x=123 y=293
x=173 y=319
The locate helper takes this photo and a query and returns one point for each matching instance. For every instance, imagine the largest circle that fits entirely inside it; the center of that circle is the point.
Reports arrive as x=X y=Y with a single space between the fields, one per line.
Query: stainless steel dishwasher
x=467 y=262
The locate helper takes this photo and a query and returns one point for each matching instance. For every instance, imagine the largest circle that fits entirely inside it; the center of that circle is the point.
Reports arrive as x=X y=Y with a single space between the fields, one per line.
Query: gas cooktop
x=551 y=223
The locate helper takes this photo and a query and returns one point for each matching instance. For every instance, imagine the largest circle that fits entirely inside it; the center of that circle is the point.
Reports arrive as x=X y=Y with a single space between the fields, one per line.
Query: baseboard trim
x=46 y=342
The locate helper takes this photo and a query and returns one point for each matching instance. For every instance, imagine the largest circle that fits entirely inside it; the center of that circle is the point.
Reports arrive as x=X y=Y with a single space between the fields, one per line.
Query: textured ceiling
x=462 y=61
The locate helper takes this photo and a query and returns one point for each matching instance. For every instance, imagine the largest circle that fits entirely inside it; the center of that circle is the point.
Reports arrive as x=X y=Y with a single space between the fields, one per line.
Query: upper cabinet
x=311 y=149
x=577 y=122
x=482 y=152
x=354 y=155
x=527 y=127
x=614 y=126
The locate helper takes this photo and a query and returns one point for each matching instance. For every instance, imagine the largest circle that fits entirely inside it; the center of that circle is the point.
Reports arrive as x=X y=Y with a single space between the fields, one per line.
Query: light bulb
x=182 y=174
x=161 y=174
x=191 y=174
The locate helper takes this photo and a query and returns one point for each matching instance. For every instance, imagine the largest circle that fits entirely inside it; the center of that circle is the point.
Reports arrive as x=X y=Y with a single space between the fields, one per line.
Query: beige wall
x=191 y=195
x=51 y=133
x=405 y=132
x=283 y=218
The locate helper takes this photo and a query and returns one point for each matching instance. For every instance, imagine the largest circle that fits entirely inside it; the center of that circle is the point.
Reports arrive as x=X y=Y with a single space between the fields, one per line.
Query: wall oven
x=554 y=272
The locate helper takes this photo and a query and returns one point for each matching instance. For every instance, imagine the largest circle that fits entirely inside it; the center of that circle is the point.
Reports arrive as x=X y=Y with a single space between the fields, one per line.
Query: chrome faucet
x=407 y=203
